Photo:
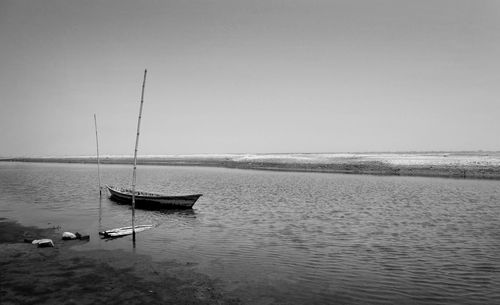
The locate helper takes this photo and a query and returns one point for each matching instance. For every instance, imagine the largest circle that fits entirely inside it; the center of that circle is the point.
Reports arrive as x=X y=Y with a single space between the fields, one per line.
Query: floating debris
x=118 y=232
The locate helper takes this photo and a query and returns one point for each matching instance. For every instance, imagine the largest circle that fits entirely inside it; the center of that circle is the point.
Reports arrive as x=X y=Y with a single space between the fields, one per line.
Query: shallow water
x=288 y=238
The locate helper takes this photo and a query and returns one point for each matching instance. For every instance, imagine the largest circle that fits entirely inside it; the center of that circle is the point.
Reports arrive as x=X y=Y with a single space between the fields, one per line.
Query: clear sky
x=242 y=76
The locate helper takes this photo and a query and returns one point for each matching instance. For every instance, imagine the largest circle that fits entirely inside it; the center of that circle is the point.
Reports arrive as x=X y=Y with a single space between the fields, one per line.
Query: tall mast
x=98 y=169
x=135 y=154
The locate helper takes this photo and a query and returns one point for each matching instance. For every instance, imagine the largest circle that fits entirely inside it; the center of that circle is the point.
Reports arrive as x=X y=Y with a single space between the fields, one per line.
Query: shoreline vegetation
x=61 y=275
x=472 y=165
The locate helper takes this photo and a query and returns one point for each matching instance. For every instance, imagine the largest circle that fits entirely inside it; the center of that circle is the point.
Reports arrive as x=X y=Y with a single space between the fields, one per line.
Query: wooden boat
x=145 y=199
x=153 y=200
x=124 y=231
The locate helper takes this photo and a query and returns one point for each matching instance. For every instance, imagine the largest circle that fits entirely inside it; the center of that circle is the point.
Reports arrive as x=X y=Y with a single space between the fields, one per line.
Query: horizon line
x=260 y=153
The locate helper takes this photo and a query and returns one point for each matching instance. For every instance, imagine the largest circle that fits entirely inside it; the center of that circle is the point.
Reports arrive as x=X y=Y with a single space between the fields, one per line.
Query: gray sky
x=249 y=76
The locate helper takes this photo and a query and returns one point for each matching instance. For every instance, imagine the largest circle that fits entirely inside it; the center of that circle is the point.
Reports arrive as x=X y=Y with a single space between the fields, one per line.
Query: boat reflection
x=178 y=212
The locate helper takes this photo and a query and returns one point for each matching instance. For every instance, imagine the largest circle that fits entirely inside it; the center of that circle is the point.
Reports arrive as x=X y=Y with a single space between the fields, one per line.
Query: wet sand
x=60 y=275
x=473 y=165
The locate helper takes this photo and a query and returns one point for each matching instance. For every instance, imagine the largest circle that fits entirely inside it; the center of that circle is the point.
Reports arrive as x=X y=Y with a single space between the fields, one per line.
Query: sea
x=284 y=237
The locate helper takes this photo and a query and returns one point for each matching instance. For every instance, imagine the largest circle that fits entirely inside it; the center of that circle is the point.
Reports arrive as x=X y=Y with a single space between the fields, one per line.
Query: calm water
x=289 y=238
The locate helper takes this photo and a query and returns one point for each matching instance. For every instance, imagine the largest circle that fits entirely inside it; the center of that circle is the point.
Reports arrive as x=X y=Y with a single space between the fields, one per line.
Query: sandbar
x=469 y=165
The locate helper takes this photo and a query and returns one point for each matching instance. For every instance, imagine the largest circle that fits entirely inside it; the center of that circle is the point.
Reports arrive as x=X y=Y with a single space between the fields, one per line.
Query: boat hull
x=153 y=201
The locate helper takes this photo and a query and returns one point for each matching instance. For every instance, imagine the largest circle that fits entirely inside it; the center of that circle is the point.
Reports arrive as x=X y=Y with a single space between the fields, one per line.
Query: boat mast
x=135 y=154
x=98 y=169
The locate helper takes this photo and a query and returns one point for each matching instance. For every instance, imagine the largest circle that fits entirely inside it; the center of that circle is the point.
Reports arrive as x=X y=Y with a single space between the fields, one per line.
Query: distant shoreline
x=468 y=165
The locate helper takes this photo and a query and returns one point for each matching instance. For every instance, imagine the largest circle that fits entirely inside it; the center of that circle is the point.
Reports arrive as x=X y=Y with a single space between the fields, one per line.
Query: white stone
x=42 y=243
x=68 y=235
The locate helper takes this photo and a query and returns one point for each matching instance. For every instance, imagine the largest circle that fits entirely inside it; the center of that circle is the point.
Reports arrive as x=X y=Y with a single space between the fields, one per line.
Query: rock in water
x=82 y=237
x=68 y=236
x=43 y=243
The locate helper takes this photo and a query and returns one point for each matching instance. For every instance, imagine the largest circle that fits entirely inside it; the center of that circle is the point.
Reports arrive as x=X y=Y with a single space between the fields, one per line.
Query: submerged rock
x=82 y=237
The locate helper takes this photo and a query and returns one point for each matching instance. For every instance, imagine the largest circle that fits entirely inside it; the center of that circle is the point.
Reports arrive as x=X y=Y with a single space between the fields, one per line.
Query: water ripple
x=291 y=238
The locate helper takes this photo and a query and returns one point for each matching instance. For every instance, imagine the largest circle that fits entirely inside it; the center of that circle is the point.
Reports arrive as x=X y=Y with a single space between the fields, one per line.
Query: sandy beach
x=60 y=275
x=472 y=165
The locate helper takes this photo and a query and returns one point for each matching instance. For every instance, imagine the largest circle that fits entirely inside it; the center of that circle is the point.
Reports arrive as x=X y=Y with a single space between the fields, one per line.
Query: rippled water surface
x=289 y=238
